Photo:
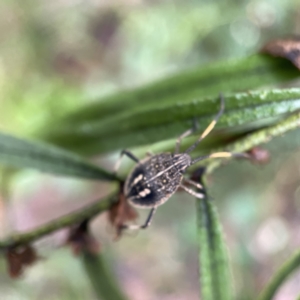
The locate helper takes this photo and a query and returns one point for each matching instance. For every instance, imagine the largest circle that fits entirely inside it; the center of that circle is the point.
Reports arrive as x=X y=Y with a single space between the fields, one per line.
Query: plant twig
x=103 y=281
x=257 y=138
x=59 y=223
x=280 y=276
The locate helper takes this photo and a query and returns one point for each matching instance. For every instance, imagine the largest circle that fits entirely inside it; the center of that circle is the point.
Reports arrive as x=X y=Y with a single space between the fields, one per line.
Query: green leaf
x=153 y=123
x=280 y=276
x=235 y=75
x=20 y=153
x=103 y=282
x=215 y=278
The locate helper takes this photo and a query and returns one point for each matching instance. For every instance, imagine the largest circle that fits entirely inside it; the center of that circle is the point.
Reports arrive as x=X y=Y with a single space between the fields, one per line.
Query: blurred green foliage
x=59 y=56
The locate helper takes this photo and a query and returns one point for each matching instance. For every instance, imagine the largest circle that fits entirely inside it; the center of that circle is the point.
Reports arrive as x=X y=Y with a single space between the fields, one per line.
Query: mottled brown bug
x=157 y=177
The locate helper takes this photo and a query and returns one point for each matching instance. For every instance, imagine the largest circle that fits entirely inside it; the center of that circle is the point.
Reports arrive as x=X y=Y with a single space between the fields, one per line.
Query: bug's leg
x=198 y=195
x=178 y=141
x=194 y=183
x=127 y=153
x=210 y=127
x=149 y=218
x=184 y=135
x=145 y=225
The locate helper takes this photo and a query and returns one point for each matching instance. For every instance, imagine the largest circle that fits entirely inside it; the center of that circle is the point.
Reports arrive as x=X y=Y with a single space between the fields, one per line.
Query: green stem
x=281 y=275
x=254 y=139
x=65 y=221
x=101 y=278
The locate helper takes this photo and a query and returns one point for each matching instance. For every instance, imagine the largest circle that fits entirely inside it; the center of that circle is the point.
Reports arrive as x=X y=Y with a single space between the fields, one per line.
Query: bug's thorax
x=181 y=161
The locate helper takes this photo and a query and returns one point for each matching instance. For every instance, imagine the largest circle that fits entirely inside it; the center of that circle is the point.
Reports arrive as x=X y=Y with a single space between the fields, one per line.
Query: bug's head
x=182 y=161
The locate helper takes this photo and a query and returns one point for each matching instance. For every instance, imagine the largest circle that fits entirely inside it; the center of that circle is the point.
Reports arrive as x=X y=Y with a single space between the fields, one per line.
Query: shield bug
x=157 y=177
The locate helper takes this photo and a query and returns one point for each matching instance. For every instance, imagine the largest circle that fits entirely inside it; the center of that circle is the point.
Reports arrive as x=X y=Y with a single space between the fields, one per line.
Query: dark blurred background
x=58 y=55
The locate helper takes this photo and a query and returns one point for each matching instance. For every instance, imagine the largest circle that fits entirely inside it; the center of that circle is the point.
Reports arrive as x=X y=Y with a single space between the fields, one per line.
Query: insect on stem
x=157 y=177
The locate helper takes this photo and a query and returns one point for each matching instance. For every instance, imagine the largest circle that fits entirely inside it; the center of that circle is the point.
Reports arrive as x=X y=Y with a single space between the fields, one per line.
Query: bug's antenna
x=209 y=128
x=220 y=155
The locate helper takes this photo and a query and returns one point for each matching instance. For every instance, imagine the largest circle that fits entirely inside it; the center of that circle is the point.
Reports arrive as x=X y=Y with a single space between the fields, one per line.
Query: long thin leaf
x=152 y=124
x=280 y=276
x=215 y=279
x=103 y=282
x=21 y=153
x=193 y=86
x=236 y=75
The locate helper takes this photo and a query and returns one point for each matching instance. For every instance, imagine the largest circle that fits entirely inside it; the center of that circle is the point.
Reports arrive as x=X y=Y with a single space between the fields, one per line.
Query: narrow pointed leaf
x=152 y=124
x=280 y=276
x=215 y=279
x=21 y=153
x=235 y=75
